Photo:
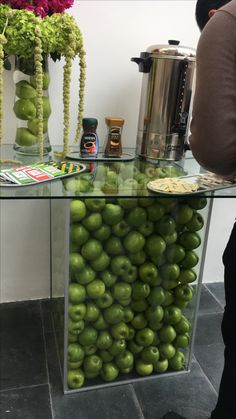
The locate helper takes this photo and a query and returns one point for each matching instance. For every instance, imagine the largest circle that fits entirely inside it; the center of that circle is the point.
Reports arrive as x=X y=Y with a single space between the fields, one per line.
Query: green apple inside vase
x=25 y=107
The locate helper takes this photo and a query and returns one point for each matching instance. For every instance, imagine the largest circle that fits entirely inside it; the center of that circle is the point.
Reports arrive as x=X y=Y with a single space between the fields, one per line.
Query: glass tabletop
x=105 y=178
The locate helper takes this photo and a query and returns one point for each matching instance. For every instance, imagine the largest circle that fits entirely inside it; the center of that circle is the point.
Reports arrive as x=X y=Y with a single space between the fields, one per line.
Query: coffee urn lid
x=172 y=50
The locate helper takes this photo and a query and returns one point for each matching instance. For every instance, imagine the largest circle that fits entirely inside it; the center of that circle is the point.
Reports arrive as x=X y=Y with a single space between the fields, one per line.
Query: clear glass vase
x=26 y=141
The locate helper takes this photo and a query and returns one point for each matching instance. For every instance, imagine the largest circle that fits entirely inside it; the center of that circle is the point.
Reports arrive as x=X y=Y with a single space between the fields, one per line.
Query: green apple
x=105 y=356
x=131 y=333
x=143 y=368
x=140 y=290
x=167 y=333
x=77 y=210
x=120 y=330
x=32 y=125
x=177 y=361
x=187 y=275
x=183 y=214
x=147 y=228
x=184 y=292
x=169 y=284
x=75 y=328
x=75 y=378
x=165 y=226
x=124 y=360
x=113 y=246
x=170 y=238
x=114 y=314
x=92 y=364
x=92 y=312
x=24 y=109
x=139 y=321
x=167 y=350
x=154 y=313
x=137 y=258
x=121 y=229
x=93 y=221
x=104 y=340
x=109 y=371
x=150 y=354
x=95 y=204
x=76 y=293
x=121 y=290
x=128 y=315
x=144 y=337
x=77 y=311
x=190 y=260
x=182 y=340
x=78 y=234
x=139 y=305
x=76 y=263
x=75 y=352
x=197 y=203
x=128 y=203
x=172 y=314
x=72 y=338
x=182 y=326
x=85 y=276
x=190 y=240
x=134 y=241
x=102 y=233
x=144 y=202
x=25 y=138
x=148 y=273
x=181 y=303
x=108 y=278
x=130 y=275
x=112 y=214
x=88 y=336
x=91 y=249
x=100 y=323
x=155 y=211
x=95 y=288
x=134 y=347
x=74 y=365
x=24 y=90
x=156 y=296
x=169 y=297
x=101 y=262
x=170 y=271
x=117 y=347
x=136 y=217
x=175 y=253
x=161 y=366
x=90 y=349
x=120 y=265
x=155 y=245
x=105 y=300
x=196 y=223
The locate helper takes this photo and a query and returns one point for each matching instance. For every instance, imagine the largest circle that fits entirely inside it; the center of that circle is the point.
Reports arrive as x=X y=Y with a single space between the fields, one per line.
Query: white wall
x=114 y=31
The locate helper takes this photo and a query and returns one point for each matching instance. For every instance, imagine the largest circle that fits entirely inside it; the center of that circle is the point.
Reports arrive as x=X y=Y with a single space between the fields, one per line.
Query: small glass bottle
x=89 y=143
x=113 y=146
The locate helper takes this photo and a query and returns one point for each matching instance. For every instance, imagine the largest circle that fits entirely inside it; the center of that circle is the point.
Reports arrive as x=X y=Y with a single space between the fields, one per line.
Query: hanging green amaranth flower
x=38 y=58
x=82 y=64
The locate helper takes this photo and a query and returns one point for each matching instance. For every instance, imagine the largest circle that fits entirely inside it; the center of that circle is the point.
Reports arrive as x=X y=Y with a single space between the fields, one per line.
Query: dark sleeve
x=213 y=125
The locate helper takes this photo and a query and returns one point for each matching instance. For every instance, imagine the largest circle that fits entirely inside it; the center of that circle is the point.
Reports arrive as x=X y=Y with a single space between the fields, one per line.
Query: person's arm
x=213 y=126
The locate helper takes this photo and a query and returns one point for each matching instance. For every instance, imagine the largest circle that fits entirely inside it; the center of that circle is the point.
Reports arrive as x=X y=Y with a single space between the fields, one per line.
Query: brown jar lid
x=110 y=120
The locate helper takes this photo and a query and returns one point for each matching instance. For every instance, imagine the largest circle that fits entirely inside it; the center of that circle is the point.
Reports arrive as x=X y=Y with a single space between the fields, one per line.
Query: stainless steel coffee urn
x=165 y=105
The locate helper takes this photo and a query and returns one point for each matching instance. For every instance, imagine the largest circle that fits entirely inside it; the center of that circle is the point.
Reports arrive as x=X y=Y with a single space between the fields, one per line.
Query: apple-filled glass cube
x=126 y=273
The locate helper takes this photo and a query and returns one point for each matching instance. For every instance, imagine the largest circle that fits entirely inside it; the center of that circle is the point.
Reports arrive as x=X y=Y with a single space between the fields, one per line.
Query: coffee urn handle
x=144 y=62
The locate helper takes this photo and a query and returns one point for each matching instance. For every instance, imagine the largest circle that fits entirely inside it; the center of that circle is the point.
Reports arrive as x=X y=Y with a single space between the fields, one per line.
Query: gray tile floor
x=30 y=381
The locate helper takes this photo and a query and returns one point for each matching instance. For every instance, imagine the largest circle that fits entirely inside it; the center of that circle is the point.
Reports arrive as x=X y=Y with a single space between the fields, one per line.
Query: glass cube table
x=126 y=269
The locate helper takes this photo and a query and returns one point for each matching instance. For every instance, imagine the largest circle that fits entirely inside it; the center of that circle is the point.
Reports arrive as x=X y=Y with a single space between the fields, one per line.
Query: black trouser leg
x=226 y=404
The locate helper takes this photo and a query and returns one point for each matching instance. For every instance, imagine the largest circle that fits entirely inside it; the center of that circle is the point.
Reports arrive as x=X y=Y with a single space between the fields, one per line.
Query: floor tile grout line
x=136 y=400
x=24 y=387
x=213 y=295
x=46 y=361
